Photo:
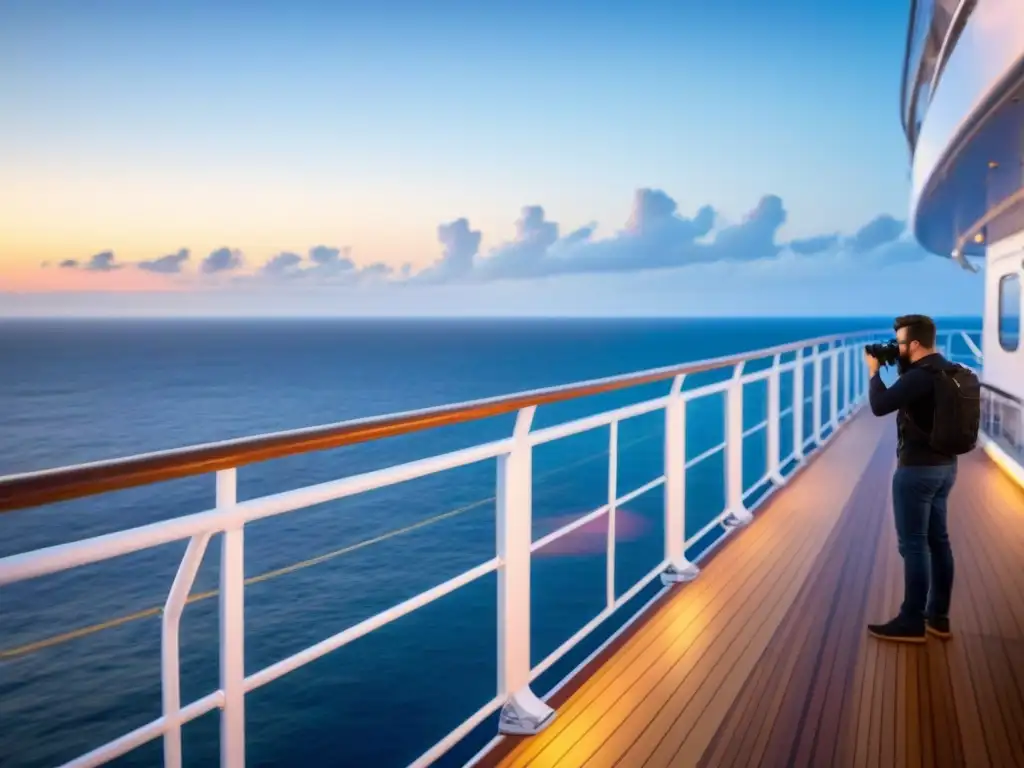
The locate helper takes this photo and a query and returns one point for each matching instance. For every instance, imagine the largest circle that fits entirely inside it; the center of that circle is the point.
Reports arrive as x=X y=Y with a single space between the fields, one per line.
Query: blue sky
x=249 y=134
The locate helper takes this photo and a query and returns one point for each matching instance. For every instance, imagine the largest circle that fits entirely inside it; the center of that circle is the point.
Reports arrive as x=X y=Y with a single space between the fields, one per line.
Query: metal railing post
x=975 y=351
x=1018 y=440
x=738 y=512
x=523 y=713
x=613 y=495
x=679 y=568
x=774 y=423
x=858 y=381
x=232 y=629
x=848 y=394
x=798 y=405
x=170 y=669
x=833 y=391
x=854 y=370
x=816 y=393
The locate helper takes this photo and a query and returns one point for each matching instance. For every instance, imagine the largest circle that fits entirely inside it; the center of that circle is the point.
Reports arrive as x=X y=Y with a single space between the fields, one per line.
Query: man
x=920 y=485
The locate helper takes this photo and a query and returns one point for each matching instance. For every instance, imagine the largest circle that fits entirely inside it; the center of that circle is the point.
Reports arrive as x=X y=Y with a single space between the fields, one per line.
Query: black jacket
x=913 y=396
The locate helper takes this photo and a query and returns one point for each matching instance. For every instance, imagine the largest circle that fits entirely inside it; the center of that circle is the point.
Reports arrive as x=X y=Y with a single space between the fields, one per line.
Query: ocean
x=77 y=391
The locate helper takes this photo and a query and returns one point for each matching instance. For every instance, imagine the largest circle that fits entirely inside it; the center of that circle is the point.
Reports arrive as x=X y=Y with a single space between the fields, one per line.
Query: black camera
x=886 y=354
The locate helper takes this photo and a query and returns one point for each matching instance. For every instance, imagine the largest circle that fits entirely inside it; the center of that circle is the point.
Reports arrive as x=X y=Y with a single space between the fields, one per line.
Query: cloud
x=901 y=249
x=877 y=232
x=323 y=256
x=221 y=260
x=333 y=265
x=460 y=249
x=882 y=240
x=323 y=265
x=655 y=236
x=377 y=269
x=526 y=253
x=283 y=265
x=100 y=262
x=171 y=264
x=812 y=245
x=754 y=237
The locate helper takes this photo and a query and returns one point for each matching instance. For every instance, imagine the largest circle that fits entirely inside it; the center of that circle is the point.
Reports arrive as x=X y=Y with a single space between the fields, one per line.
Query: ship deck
x=764 y=658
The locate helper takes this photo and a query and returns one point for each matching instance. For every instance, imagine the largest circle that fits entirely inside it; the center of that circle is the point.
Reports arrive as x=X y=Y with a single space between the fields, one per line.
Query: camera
x=887 y=353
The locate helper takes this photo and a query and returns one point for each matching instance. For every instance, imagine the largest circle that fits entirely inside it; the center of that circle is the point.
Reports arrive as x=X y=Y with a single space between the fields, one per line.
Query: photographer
x=924 y=477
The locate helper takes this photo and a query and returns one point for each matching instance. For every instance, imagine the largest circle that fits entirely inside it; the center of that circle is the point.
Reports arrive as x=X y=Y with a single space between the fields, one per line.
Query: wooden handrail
x=35 y=489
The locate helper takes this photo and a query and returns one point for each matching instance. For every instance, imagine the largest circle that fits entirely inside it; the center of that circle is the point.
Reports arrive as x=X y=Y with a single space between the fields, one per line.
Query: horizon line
x=245 y=317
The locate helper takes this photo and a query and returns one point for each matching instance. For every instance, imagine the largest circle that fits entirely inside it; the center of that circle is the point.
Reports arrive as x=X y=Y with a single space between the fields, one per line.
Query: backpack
x=957 y=417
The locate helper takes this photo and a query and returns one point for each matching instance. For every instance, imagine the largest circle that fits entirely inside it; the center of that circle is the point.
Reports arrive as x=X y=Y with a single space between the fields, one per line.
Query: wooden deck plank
x=973 y=628
x=677 y=622
x=833 y=684
x=912 y=714
x=747 y=719
x=854 y=746
x=678 y=625
x=983 y=626
x=687 y=740
x=764 y=660
x=948 y=708
x=662 y=679
x=688 y=694
x=928 y=756
x=889 y=652
x=857 y=593
x=808 y=635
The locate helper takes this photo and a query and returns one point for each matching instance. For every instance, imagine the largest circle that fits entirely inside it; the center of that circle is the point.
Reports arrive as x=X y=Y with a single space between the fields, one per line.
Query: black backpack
x=957 y=416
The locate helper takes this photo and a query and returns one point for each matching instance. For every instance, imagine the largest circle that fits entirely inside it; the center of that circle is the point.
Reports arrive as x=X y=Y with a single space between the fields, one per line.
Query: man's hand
x=872 y=364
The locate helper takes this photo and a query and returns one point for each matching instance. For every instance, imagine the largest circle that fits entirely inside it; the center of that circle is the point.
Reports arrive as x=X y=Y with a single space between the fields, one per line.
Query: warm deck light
x=1002 y=460
x=979 y=238
x=993 y=164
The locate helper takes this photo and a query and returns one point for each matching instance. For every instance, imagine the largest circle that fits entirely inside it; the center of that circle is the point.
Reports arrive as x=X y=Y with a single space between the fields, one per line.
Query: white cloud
x=655 y=237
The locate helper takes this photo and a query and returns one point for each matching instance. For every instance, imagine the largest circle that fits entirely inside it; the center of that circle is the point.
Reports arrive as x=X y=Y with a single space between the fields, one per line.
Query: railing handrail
x=1002 y=393
x=34 y=489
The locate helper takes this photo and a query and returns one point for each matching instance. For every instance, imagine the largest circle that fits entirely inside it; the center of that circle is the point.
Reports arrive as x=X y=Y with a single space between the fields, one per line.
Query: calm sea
x=81 y=391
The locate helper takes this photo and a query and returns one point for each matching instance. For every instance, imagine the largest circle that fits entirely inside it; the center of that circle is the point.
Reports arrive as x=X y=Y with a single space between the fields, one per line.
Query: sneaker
x=899 y=630
x=938 y=627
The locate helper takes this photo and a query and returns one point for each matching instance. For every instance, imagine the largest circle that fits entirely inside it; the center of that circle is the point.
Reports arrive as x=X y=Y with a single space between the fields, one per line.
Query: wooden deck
x=765 y=660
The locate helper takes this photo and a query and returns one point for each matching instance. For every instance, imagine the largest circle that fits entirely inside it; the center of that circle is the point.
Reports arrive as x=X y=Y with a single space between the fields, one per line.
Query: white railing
x=973 y=355
x=522 y=711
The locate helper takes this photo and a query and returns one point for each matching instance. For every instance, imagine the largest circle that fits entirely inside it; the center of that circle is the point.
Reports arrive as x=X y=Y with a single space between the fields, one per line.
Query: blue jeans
x=920 y=496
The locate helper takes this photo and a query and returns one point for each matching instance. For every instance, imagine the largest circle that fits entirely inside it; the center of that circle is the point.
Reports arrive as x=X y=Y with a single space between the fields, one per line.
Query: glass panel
x=1002 y=419
x=923 y=14
x=921 y=24
x=933 y=21
x=1009 y=312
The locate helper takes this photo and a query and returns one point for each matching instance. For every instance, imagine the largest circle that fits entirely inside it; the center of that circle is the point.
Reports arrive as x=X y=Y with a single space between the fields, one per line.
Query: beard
x=902 y=364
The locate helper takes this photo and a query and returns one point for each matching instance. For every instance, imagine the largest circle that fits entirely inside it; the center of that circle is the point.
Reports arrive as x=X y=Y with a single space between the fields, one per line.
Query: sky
x=459 y=158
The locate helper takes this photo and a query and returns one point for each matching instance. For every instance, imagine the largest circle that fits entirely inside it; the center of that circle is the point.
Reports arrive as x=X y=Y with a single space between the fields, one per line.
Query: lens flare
x=592 y=537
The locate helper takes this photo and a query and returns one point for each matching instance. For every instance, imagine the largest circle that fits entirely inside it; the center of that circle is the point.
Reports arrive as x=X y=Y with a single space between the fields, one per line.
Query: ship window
x=1009 y=312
